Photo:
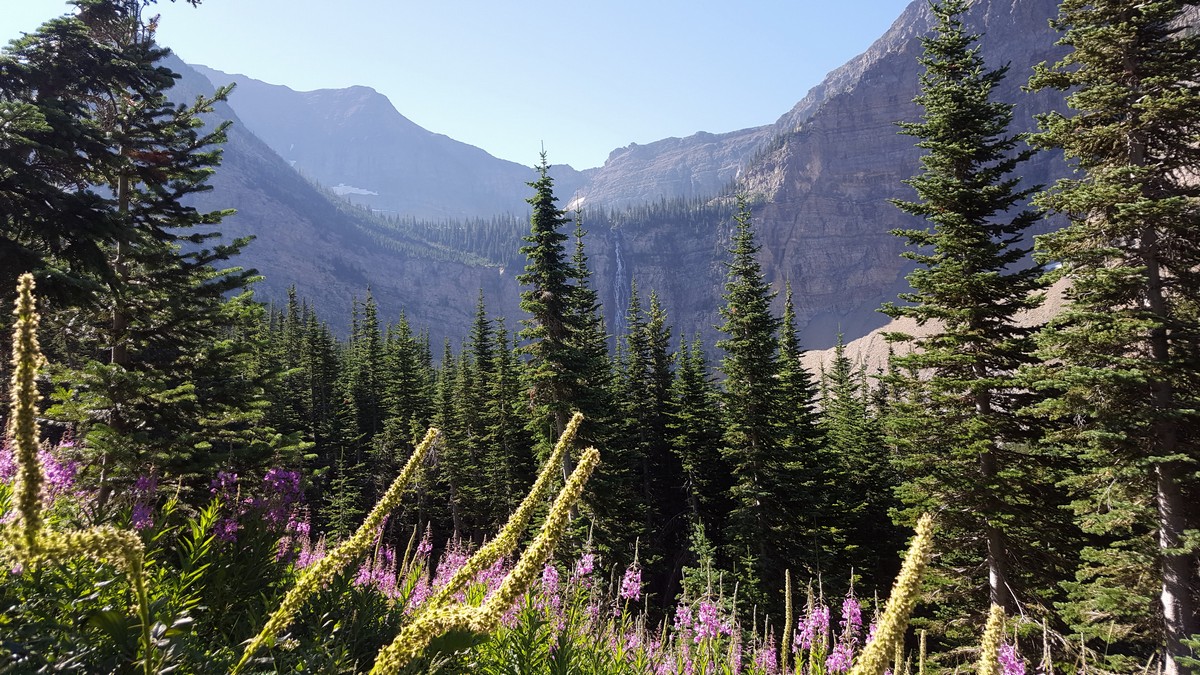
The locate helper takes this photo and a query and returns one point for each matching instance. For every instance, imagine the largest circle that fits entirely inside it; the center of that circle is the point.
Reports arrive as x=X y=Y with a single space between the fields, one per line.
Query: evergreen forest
x=198 y=482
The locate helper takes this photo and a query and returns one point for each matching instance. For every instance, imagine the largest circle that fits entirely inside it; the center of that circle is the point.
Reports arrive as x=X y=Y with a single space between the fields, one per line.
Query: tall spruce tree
x=546 y=298
x=760 y=539
x=958 y=440
x=857 y=486
x=146 y=365
x=1122 y=366
x=694 y=423
x=802 y=443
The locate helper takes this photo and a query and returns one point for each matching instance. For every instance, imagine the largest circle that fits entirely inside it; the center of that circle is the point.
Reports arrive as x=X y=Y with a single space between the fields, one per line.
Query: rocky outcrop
x=701 y=165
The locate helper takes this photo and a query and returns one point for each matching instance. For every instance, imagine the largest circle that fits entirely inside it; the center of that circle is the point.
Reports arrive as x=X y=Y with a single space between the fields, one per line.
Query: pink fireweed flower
x=225 y=484
x=708 y=621
x=585 y=566
x=144 y=490
x=631 y=584
x=851 y=618
x=1011 y=662
x=379 y=573
x=683 y=618
x=226 y=529
x=838 y=660
x=871 y=633
x=142 y=516
x=764 y=657
x=425 y=546
x=812 y=629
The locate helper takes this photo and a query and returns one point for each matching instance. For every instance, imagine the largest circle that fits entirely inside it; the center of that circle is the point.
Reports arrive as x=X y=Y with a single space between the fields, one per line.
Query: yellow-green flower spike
x=324 y=570
x=531 y=562
x=786 y=657
x=508 y=538
x=876 y=656
x=989 y=650
x=22 y=421
x=413 y=639
x=420 y=632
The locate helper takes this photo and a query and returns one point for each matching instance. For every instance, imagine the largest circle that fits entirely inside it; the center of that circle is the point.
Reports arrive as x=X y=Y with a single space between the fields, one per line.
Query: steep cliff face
x=821 y=189
x=354 y=142
x=700 y=165
x=820 y=179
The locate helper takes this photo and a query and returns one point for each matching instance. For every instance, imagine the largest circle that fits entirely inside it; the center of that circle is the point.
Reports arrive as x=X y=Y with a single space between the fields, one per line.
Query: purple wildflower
x=224 y=485
x=227 y=529
x=631 y=584
x=1011 y=662
x=765 y=658
x=142 y=516
x=683 y=618
x=425 y=546
x=8 y=463
x=585 y=566
x=708 y=621
x=838 y=660
x=851 y=618
x=813 y=628
x=144 y=490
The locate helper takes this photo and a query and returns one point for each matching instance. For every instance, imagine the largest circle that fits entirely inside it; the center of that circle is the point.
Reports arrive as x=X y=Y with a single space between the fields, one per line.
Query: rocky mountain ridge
x=820 y=179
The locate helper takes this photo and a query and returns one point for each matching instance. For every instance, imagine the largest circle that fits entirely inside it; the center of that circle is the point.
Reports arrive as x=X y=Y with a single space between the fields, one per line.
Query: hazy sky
x=582 y=77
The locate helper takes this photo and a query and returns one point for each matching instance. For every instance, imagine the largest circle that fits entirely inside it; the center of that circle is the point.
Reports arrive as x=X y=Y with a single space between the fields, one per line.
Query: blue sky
x=583 y=78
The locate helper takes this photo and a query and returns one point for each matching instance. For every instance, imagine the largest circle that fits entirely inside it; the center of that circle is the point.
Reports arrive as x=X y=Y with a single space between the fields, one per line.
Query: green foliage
x=1120 y=363
x=960 y=446
x=760 y=539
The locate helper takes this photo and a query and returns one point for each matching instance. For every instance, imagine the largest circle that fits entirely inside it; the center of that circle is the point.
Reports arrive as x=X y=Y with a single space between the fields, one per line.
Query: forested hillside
x=195 y=481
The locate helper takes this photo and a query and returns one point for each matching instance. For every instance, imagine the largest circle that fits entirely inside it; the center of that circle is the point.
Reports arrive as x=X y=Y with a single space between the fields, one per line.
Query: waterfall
x=620 y=287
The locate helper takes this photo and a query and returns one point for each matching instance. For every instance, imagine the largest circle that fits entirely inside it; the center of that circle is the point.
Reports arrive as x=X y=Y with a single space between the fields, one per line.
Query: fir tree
x=857 y=485
x=545 y=299
x=800 y=437
x=759 y=536
x=695 y=431
x=957 y=436
x=1122 y=362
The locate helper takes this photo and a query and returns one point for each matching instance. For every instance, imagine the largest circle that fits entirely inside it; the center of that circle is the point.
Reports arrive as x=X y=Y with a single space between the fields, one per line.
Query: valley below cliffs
x=819 y=180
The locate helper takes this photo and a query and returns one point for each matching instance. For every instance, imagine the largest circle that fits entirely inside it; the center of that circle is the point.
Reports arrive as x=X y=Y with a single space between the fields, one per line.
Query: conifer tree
x=759 y=534
x=800 y=436
x=858 y=484
x=695 y=429
x=956 y=432
x=546 y=333
x=510 y=462
x=160 y=313
x=1122 y=362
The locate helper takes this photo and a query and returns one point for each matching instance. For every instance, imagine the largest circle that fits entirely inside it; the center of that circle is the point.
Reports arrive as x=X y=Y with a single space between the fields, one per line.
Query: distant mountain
x=820 y=186
x=357 y=144
x=333 y=252
x=819 y=178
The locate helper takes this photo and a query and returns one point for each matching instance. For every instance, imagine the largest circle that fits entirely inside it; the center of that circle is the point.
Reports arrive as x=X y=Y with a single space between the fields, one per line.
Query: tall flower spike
x=508 y=538
x=22 y=424
x=905 y=593
x=413 y=639
x=325 y=569
x=989 y=650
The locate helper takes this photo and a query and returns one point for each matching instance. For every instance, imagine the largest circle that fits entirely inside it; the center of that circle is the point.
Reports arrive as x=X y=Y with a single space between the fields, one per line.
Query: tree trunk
x=1179 y=619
